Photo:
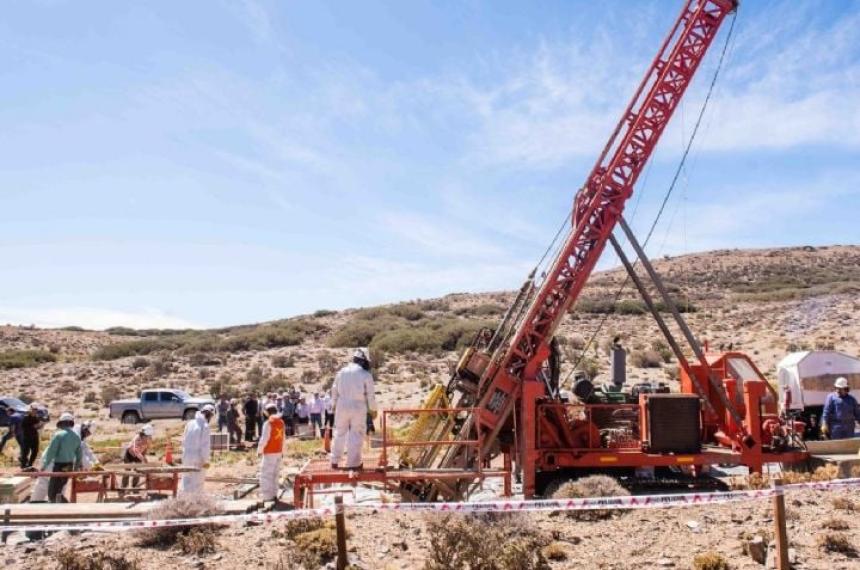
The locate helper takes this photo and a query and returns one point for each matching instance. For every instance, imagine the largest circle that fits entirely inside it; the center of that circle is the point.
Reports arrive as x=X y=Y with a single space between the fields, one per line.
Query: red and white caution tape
x=140 y=524
x=500 y=506
x=587 y=504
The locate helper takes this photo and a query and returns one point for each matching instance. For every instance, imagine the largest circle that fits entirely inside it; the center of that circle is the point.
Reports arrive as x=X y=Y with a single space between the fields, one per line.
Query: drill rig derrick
x=505 y=373
x=503 y=396
x=504 y=392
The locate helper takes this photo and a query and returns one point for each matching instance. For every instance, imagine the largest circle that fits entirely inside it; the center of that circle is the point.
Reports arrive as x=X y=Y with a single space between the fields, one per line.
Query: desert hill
x=766 y=302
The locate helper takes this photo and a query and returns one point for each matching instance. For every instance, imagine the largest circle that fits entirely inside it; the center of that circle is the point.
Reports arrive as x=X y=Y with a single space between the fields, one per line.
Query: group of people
x=349 y=407
x=316 y=410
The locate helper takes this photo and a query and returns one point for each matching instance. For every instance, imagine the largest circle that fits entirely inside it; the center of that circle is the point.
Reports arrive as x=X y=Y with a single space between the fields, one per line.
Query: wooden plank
x=834 y=446
x=244 y=490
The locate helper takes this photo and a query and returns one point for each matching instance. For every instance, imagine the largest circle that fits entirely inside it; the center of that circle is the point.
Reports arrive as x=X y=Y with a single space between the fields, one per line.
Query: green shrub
x=323 y=313
x=630 y=307
x=428 y=336
x=408 y=311
x=24 y=358
x=406 y=340
x=361 y=331
x=260 y=337
x=489 y=310
x=134 y=348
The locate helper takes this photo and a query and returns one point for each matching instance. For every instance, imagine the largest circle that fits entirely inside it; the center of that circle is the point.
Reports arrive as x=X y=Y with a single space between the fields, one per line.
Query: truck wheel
x=130 y=418
x=189 y=414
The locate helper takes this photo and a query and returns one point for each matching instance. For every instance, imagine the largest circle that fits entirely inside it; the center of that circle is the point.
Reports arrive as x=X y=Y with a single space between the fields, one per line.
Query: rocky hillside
x=766 y=302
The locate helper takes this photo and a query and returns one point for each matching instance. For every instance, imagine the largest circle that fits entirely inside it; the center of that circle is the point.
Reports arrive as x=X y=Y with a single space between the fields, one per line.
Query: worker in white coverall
x=352 y=398
x=196 y=450
x=271 y=448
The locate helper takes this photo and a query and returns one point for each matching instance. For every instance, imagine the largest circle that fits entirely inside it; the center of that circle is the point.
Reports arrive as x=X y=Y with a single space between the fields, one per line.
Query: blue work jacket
x=840 y=413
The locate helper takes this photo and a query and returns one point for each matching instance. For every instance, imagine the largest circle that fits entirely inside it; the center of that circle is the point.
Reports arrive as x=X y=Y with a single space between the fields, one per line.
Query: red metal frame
x=510 y=396
x=598 y=205
x=318 y=472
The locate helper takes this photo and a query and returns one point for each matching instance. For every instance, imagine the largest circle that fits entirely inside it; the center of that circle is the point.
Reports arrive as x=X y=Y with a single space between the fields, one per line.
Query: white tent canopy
x=810 y=375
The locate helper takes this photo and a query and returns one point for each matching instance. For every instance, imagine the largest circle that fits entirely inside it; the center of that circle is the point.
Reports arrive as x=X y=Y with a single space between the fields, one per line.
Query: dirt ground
x=667 y=538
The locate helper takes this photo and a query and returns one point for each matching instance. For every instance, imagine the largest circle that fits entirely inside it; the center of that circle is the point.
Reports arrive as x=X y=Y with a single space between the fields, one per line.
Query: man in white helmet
x=352 y=397
x=840 y=412
x=196 y=450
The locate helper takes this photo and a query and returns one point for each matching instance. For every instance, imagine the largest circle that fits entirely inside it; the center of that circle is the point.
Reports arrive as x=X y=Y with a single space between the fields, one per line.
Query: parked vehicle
x=10 y=405
x=157 y=404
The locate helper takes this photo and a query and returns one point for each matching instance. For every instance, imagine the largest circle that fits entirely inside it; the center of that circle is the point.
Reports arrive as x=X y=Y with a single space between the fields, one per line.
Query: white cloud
x=93 y=318
x=785 y=84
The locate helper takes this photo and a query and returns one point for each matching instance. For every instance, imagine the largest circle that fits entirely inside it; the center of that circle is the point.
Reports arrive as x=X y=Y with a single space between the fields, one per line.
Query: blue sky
x=220 y=162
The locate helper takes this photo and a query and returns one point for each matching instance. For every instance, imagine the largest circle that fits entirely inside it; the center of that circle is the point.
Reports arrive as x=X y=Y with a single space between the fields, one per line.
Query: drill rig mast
x=505 y=388
x=493 y=377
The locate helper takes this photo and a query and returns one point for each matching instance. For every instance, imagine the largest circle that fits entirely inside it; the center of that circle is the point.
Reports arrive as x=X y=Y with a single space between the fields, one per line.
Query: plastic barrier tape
x=501 y=506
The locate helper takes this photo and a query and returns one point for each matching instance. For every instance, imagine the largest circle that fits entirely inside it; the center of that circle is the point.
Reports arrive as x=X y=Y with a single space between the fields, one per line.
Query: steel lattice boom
x=599 y=204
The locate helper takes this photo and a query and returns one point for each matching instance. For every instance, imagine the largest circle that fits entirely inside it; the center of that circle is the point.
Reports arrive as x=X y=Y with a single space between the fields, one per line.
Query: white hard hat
x=271 y=406
x=66 y=417
x=147 y=430
x=361 y=354
x=90 y=426
x=841 y=382
x=208 y=408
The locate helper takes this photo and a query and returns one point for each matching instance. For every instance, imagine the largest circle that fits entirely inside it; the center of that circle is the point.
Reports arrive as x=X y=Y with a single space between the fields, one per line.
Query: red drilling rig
x=506 y=385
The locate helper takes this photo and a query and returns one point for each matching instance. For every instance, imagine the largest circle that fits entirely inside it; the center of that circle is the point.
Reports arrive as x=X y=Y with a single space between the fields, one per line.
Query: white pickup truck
x=157 y=404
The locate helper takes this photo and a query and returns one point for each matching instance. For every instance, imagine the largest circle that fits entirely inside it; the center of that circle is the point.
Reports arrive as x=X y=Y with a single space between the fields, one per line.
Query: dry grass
x=843 y=504
x=73 y=559
x=593 y=486
x=759 y=481
x=198 y=541
x=710 y=561
x=180 y=508
x=834 y=524
x=295 y=527
x=836 y=542
x=555 y=551
x=318 y=546
x=490 y=543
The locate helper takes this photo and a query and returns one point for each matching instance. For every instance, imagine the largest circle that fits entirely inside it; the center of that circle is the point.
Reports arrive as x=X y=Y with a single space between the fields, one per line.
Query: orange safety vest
x=276 y=436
